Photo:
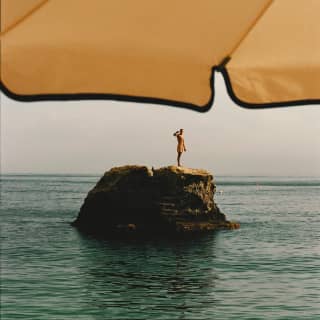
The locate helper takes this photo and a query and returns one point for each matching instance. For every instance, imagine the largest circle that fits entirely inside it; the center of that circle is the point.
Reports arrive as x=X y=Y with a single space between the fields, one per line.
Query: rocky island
x=140 y=200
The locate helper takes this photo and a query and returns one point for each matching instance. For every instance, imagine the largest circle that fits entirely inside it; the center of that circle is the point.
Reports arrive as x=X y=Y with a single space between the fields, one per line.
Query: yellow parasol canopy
x=162 y=51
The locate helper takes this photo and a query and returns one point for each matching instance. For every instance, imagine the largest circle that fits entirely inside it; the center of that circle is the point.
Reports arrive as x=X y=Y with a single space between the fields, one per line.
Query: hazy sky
x=92 y=136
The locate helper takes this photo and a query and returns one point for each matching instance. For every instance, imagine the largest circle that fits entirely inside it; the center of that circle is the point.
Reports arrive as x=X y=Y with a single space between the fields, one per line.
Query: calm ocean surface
x=268 y=269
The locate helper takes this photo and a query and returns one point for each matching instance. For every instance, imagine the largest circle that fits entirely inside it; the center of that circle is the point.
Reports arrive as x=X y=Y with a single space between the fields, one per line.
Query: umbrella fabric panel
x=155 y=49
x=279 y=60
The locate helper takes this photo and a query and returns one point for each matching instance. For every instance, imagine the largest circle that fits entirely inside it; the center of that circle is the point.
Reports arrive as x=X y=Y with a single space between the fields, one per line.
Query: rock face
x=136 y=199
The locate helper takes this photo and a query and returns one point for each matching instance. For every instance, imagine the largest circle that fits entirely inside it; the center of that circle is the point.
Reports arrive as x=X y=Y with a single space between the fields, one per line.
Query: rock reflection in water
x=124 y=277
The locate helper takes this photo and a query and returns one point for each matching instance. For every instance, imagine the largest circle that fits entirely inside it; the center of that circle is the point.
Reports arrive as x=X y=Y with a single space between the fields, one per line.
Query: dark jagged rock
x=136 y=199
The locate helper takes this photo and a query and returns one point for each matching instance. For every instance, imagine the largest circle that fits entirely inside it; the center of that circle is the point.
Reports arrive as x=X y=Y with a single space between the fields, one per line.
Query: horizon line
x=101 y=173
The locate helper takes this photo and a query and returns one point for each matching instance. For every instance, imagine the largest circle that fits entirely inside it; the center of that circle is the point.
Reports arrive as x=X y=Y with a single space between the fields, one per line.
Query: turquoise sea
x=268 y=269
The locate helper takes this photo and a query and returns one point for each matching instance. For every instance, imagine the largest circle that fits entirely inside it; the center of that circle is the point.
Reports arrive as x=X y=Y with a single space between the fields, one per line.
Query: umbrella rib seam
x=24 y=17
x=253 y=24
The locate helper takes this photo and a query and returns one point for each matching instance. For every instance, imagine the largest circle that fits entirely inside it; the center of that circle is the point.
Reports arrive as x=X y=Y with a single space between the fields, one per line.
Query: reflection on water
x=171 y=276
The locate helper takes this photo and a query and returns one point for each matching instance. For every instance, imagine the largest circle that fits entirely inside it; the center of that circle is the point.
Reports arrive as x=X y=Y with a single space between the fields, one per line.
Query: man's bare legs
x=178 y=158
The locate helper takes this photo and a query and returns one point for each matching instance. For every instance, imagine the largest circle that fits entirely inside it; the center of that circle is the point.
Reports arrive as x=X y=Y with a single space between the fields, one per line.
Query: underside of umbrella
x=162 y=52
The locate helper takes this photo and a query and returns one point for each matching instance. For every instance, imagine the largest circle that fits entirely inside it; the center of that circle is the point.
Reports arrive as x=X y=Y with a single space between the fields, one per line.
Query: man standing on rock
x=181 y=146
